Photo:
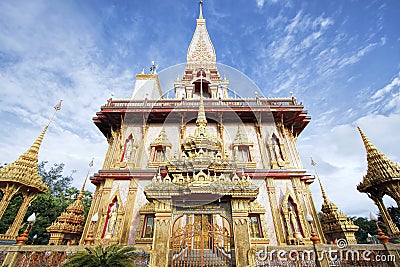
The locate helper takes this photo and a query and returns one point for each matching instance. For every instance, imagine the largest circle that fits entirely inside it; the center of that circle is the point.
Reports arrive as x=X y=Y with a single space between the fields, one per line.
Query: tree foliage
x=395 y=215
x=366 y=227
x=101 y=256
x=10 y=213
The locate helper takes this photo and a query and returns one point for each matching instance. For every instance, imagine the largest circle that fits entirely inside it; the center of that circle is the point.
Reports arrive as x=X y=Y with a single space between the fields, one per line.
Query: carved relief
x=112 y=217
x=294 y=219
x=129 y=152
x=277 y=152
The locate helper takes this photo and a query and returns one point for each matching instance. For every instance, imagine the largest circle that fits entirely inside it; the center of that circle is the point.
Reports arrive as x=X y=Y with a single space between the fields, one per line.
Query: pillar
x=8 y=193
x=240 y=218
x=27 y=199
x=162 y=232
x=271 y=191
x=391 y=226
x=128 y=212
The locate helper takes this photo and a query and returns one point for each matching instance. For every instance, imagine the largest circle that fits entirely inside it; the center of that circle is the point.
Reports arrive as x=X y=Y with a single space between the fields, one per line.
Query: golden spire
x=201 y=115
x=327 y=206
x=380 y=168
x=334 y=221
x=80 y=196
x=24 y=169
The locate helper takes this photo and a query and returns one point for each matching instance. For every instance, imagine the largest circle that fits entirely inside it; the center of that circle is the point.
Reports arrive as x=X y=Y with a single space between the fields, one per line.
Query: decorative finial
x=36 y=145
x=313 y=163
x=153 y=68
x=201 y=9
x=80 y=196
x=201 y=115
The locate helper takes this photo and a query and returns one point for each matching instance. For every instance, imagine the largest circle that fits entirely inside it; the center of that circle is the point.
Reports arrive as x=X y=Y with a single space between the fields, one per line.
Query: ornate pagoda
x=204 y=177
x=68 y=227
x=335 y=224
x=382 y=178
x=21 y=178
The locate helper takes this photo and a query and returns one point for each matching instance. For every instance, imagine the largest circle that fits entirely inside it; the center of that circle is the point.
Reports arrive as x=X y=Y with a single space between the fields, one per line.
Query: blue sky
x=340 y=58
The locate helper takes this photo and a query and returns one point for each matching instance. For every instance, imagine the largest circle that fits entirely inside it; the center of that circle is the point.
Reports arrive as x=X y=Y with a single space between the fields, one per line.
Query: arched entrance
x=201 y=240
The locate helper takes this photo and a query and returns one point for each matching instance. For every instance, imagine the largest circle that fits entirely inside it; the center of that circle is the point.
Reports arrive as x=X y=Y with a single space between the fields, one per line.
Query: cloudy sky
x=340 y=58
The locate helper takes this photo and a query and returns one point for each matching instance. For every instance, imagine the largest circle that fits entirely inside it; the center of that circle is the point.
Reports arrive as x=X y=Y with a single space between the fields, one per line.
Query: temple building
x=205 y=175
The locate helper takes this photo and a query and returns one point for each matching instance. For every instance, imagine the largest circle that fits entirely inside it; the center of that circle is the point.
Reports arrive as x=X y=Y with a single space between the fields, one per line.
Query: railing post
x=321 y=260
x=11 y=258
x=392 y=252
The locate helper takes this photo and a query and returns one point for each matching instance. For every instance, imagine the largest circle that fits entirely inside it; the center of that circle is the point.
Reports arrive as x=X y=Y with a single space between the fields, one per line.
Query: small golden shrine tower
x=205 y=177
x=382 y=178
x=22 y=178
x=68 y=227
x=335 y=224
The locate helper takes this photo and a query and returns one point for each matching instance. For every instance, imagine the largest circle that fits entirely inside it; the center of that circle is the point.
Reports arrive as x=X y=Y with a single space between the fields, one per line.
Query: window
x=255 y=226
x=159 y=154
x=148 y=229
x=243 y=154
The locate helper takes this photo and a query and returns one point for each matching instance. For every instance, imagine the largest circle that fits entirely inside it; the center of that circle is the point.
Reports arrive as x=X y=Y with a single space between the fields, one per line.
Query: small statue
x=251 y=256
x=112 y=220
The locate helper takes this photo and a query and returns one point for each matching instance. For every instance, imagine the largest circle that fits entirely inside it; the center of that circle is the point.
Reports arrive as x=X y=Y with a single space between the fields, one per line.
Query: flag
x=91 y=163
x=313 y=162
x=58 y=106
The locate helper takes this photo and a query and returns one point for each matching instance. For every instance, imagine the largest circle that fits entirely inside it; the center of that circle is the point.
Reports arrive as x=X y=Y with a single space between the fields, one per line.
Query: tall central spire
x=201 y=50
x=201 y=60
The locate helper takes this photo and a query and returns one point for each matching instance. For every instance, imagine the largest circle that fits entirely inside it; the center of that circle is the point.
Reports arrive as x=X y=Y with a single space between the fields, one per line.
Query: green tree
x=366 y=227
x=394 y=213
x=101 y=256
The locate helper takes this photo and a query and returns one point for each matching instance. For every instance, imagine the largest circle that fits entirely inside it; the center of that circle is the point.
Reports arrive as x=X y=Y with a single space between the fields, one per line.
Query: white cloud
x=260 y=3
x=53 y=62
x=357 y=56
x=293 y=26
x=388 y=88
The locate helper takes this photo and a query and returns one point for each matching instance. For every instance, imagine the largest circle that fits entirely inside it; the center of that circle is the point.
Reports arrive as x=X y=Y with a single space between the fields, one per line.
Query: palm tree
x=100 y=256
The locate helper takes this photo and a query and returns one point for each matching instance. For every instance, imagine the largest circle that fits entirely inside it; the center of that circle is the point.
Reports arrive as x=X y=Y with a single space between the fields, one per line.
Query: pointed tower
x=21 y=177
x=382 y=178
x=201 y=67
x=68 y=227
x=335 y=223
